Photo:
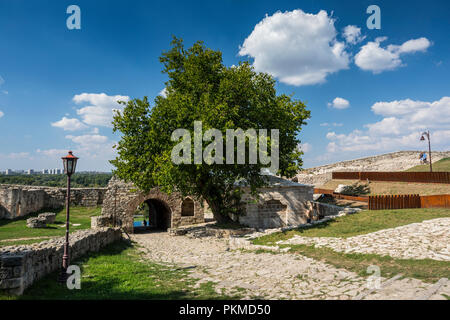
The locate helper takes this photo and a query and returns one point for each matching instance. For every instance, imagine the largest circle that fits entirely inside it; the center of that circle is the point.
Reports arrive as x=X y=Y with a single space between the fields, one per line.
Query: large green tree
x=202 y=88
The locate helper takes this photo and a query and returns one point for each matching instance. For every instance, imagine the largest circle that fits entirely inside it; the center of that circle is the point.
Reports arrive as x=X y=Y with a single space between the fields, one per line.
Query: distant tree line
x=79 y=180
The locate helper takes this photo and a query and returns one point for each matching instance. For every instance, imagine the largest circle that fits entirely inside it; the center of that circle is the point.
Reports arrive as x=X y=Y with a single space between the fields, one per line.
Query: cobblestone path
x=428 y=239
x=273 y=276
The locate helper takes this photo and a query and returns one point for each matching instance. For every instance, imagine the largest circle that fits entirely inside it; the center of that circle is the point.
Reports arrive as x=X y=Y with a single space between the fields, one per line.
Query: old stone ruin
x=20 y=266
x=18 y=201
x=41 y=220
x=281 y=203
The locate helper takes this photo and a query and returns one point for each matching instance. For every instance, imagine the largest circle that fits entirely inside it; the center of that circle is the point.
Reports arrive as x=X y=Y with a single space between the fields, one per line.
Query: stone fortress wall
x=20 y=266
x=122 y=199
x=18 y=200
x=282 y=203
x=395 y=161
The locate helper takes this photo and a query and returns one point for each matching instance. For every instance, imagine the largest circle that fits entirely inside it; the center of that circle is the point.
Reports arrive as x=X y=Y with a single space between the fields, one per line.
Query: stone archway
x=159 y=215
x=163 y=206
x=122 y=199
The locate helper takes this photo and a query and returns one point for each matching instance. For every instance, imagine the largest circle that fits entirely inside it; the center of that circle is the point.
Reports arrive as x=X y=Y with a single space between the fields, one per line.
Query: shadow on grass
x=328 y=199
x=115 y=272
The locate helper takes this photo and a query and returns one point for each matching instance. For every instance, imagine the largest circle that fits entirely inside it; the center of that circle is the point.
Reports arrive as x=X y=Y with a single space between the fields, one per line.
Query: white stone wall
x=294 y=208
x=18 y=201
x=122 y=199
x=21 y=266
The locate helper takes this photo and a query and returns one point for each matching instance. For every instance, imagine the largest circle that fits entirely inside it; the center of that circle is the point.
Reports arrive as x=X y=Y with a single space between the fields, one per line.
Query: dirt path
x=30 y=238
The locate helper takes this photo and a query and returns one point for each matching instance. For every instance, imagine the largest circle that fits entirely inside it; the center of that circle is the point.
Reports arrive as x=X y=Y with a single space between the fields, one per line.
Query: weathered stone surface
x=429 y=239
x=48 y=216
x=122 y=200
x=18 y=201
x=267 y=275
x=208 y=231
x=22 y=265
x=281 y=203
x=37 y=222
x=340 y=188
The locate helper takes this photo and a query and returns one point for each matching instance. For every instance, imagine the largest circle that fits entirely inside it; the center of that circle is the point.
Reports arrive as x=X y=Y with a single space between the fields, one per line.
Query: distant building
x=30 y=171
x=8 y=171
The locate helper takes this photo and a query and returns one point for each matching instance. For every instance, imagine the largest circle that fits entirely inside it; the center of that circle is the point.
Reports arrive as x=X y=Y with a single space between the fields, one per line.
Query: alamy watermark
x=213 y=152
x=74 y=20
x=374 y=21
x=74 y=277
x=374 y=281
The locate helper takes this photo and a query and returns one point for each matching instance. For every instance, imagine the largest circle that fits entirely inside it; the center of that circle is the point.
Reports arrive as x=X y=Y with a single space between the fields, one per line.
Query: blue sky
x=369 y=91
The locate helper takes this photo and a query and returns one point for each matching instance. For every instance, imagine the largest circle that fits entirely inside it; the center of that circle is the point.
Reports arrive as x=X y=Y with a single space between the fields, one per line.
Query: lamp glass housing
x=70 y=163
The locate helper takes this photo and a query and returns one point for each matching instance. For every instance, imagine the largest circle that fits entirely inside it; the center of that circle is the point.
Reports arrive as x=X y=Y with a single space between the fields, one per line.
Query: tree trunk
x=217 y=212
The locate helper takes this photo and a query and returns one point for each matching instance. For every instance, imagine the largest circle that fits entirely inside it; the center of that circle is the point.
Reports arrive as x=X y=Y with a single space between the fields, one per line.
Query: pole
x=429 y=150
x=65 y=262
x=115 y=204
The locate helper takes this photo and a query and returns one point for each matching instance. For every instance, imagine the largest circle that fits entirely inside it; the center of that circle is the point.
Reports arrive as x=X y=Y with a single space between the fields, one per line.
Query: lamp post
x=70 y=163
x=422 y=138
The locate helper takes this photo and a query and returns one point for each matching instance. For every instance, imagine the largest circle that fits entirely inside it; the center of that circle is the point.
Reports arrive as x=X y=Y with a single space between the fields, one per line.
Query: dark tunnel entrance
x=152 y=215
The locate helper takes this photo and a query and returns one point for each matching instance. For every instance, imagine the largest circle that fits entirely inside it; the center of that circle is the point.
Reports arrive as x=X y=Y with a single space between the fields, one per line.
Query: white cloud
x=414 y=45
x=1 y=114
x=395 y=108
x=93 y=149
x=339 y=103
x=53 y=153
x=305 y=147
x=69 y=124
x=403 y=122
x=352 y=34
x=163 y=93
x=16 y=155
x=296 y=47
x=334 y=124
x=89 y=140
x=100 y=110
x=373 y=57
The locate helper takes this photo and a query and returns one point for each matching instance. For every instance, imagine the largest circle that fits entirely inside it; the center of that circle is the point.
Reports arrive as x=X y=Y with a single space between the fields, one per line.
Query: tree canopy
x=201 y=88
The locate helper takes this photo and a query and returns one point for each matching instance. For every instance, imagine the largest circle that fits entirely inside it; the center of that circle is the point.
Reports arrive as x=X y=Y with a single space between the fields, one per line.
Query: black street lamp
x=422 y=138
x=70 y=163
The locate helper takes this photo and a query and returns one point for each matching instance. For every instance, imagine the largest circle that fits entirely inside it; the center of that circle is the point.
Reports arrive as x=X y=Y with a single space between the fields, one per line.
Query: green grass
x=441 y=165
x=119 y=272
x=426 y=270
x=22 y=242
x=359 y=223
x=17 y=229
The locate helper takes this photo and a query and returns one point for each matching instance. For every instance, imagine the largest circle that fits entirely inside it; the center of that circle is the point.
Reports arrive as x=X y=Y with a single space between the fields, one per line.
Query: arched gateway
x=167 y=211
x=279 y=204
